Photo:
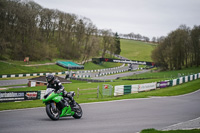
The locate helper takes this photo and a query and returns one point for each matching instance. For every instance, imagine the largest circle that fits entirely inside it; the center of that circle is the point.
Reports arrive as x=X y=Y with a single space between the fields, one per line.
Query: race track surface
x=125 y=116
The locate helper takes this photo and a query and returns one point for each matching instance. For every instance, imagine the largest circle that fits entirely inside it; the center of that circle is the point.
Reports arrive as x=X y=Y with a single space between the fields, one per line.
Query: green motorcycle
x=58 y=106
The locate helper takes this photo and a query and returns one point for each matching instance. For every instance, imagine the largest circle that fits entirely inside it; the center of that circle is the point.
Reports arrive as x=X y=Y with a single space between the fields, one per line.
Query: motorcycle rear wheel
x=53 y=114
x=78 y=112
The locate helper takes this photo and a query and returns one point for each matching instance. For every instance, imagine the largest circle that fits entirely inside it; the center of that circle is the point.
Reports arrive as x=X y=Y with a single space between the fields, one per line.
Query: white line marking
x=180 y=123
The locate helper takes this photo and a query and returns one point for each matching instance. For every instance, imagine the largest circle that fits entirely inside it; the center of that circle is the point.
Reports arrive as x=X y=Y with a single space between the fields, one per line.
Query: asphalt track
x=125 y=116
x=13 y=82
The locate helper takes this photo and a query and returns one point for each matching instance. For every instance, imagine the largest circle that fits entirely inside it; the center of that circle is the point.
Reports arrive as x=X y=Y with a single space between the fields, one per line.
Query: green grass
x=32 y=62
x=7 y=68
x=136 y=50
x=170 y=131
x=20 y=105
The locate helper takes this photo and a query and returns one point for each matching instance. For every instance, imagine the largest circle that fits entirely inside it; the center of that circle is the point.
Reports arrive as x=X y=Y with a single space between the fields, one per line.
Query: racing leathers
x=57 y=85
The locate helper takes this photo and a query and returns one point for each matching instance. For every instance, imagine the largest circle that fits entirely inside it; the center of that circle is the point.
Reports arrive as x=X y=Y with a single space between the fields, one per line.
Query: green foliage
x=179 y=49
x=136 y=50
x=117 y=44
x=107 y=42
x=29 y=30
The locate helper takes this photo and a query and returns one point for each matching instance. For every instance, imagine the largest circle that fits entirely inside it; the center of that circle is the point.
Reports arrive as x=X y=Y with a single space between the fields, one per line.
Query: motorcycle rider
x=57 y=85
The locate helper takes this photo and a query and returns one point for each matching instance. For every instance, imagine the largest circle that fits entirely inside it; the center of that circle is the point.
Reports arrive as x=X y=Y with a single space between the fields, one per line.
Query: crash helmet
x=49 y=78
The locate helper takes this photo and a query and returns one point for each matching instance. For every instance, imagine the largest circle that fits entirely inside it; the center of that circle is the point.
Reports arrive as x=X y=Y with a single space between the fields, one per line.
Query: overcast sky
x=146 y=17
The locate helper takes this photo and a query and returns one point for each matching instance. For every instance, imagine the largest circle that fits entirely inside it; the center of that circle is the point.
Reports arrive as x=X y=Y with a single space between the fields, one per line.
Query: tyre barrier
x=33 y=74
x=100 y=74
x=100 y=70
x=136 y=88
x=108 y=73
x=58 y=73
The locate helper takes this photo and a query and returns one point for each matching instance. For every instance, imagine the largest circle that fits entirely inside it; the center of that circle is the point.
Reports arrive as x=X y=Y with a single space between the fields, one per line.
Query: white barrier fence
x=127 y=89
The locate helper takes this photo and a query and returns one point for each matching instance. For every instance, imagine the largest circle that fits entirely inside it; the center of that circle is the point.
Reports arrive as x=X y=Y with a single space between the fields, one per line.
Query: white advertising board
x=148 y=86
x=134 y=88
x=186 y=78
x=33 y=84
x=119 y=90
x=180 y=80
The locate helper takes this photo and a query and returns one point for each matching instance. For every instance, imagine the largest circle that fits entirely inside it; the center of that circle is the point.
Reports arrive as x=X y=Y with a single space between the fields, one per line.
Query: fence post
x=98 y=92
x=78 y=93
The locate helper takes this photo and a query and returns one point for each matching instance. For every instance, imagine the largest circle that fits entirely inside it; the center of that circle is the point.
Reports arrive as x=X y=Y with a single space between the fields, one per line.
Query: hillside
x=136 y=50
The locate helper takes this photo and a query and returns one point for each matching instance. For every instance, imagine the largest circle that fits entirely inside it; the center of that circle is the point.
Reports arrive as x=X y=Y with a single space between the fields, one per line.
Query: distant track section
x=69 y=65
x=99 y=60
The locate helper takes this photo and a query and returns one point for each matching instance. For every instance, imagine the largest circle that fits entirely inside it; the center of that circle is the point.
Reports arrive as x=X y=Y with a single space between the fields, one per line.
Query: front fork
x=53 y=105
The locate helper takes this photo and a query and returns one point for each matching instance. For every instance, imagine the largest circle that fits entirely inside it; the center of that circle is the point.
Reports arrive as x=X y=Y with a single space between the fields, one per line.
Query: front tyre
x=54 y=114
x=77 y=111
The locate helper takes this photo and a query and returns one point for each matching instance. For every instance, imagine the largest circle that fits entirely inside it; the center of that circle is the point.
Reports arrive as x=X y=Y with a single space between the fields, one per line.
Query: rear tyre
x=53 y=114
x=77 y=111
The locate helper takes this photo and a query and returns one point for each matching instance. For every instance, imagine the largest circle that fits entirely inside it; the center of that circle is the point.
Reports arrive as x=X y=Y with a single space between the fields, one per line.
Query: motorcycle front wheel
x=53 y=114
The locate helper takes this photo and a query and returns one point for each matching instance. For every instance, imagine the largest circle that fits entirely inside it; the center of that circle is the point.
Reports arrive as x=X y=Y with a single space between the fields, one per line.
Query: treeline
x=181 y=48
x=140 y=37
x=134 y=36
x=29 y=30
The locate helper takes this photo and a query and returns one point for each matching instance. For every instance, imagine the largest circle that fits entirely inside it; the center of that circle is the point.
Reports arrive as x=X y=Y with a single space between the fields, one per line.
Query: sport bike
x=58 y=106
